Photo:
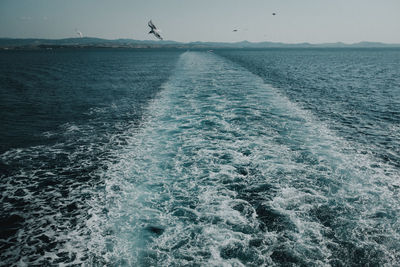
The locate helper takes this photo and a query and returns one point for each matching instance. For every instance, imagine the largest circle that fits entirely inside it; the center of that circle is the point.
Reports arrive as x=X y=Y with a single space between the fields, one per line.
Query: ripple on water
x=238 y=175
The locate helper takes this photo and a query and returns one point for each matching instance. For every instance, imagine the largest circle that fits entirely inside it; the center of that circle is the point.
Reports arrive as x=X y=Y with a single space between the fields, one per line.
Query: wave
x=223 y=170
x=228 y=171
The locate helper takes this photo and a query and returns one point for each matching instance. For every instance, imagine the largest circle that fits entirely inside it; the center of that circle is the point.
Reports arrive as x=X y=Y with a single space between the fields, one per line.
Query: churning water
x=170 y=158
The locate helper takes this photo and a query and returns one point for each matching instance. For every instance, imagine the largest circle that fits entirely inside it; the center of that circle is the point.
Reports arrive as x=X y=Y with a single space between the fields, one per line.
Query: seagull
x=79 y=33
x=154 y=30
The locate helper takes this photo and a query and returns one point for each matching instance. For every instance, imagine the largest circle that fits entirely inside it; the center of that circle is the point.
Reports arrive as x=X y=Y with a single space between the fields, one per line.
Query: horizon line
x=189 y=42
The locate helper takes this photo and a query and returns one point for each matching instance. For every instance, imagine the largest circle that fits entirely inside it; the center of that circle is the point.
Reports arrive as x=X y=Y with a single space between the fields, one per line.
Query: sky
x=296 y=21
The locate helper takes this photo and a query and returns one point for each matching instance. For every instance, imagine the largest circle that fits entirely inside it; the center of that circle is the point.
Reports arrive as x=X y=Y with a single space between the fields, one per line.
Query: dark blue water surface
x=355 y=91
x=61 y=112
x=276 y=157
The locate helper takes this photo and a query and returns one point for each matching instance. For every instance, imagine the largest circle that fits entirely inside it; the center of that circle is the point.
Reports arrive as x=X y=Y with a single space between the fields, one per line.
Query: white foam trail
x=180 y=190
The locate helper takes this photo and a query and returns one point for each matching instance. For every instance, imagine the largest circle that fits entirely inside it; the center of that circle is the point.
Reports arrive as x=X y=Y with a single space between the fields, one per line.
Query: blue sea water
x=276 y=157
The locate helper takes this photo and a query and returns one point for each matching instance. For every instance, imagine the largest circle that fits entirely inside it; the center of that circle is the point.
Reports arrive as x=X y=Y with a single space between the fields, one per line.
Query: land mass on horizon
x=91 y=42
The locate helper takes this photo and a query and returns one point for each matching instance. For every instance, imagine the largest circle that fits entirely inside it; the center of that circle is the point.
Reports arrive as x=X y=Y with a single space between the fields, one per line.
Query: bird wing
x=158 y=35
x=79 y=33
x=151 y=25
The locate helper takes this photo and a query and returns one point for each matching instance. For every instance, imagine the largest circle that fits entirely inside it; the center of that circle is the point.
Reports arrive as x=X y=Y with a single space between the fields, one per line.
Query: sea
x=231 y=157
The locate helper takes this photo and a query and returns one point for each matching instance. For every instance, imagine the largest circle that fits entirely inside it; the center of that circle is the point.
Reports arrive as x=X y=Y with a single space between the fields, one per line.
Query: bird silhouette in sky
x=154 y=30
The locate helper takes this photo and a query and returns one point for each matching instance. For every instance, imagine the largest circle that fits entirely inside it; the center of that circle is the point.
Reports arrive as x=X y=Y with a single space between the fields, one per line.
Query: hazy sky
x=314 y=21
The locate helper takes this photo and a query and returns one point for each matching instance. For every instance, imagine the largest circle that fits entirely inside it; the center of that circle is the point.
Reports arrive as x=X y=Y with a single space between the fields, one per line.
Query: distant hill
x=86 y=41
x=9 y=43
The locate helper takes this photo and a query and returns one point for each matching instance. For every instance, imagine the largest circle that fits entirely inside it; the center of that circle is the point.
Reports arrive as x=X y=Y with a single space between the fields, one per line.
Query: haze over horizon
x=312 y=21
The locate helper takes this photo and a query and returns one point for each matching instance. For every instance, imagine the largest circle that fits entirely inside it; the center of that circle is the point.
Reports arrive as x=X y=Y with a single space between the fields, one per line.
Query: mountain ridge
x=32 y=43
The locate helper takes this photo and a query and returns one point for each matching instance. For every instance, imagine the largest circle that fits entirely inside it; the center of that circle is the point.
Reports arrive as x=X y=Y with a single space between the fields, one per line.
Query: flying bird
x=79 y=33
x=235 y=30
x=273 y=14
x=154 y=30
